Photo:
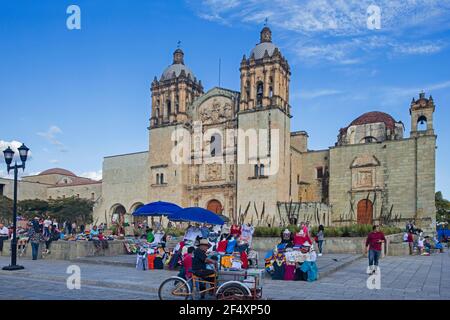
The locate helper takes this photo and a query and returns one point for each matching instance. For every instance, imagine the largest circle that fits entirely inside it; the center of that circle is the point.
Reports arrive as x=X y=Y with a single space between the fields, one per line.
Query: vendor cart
x=240 y=284
x=224 y=285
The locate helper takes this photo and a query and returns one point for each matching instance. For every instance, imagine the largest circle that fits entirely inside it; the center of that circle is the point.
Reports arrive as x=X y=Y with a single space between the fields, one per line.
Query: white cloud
x=50 y=136
x=312 y=94
x=53 y=161
x=94 y=175
x=336 y=30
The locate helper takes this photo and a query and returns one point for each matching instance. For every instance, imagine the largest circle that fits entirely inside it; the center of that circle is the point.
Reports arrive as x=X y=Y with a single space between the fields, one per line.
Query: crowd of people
x=420 y=244
x=42 y=231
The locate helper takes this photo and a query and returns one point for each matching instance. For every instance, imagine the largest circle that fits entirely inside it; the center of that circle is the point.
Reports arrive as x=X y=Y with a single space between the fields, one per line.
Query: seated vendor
x=199 y=262
x=94 y=232
x=287 y=237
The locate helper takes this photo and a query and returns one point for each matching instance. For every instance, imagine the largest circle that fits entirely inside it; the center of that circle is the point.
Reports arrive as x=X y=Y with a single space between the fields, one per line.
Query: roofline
x=124 y=154
x=75 y=185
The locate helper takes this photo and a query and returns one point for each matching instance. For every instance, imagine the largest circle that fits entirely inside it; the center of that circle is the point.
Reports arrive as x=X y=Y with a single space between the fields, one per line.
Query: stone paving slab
x=427 y=278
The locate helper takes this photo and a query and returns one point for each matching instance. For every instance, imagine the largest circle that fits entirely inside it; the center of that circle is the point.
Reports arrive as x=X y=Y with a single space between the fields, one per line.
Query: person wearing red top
x=373 y=244
x=222 y=245
x=187 y=263
x=300 y=238
x=235 y=230
x=410 y=242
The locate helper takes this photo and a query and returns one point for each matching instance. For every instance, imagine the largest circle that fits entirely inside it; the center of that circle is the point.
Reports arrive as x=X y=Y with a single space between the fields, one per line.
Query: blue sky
x=75 y=96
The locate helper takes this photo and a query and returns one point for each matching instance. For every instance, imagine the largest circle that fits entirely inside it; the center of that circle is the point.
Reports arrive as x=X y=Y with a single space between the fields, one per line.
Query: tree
x=6 y=210
x=442 y=208
x=73 y=209
x=32 y=208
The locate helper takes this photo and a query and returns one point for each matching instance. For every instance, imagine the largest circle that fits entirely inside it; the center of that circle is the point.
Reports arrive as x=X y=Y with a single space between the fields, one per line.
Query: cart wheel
x=233 y=290
x=174 y=288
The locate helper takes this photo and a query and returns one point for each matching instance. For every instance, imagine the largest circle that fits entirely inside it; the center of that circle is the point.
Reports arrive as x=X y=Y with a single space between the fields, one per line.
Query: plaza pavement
x=410 y=277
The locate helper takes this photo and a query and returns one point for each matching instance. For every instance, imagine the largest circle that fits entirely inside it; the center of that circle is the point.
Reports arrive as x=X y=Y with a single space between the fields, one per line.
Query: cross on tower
x=265 y=21
x=178 y=44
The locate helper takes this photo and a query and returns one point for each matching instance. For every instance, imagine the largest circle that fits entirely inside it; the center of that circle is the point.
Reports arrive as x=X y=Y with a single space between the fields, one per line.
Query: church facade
x=373 y=174
x=241 y=159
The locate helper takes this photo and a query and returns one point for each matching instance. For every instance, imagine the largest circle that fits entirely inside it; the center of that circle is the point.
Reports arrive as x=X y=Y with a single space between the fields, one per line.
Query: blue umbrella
x=197 y=214
x=158 y=208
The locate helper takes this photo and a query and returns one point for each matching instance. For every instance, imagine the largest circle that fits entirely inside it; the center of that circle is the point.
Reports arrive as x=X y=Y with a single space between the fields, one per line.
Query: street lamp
x=9 y=155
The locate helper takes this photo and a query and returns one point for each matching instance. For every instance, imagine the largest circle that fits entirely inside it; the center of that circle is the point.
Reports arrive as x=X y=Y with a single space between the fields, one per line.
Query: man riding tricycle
x=206 y=277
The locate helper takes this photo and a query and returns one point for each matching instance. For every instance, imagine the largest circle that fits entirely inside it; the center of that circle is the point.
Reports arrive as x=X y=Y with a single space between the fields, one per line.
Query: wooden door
x=365 y=212
x=214 y=206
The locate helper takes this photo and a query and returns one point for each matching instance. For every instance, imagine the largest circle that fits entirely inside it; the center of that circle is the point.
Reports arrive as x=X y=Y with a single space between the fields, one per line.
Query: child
x=187 y=264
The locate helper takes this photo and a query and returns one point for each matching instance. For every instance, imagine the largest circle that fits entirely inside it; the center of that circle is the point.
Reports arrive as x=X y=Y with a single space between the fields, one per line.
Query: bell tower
x=264 y=110
x=421 y=112
x=173 y=92
x=265 y=76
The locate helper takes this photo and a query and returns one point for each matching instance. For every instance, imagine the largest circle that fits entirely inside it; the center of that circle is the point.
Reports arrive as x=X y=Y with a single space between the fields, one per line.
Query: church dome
x=375 y=117
x=58 y=171
x=264 y=45
x=175 y=69
x=261 y=48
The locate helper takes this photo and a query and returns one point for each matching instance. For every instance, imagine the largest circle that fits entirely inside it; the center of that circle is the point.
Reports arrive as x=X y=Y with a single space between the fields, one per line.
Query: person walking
x=35 y=237
x=410 y=240
x=373 y=245
x=4 y=235
x=320 y=238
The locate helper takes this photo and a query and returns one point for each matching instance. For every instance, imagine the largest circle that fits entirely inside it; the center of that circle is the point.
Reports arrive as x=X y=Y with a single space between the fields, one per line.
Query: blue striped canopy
x=197 y=214
x=158 y=208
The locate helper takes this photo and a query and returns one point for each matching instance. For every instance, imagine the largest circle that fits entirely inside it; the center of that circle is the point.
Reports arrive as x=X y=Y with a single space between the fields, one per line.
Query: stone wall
x=25 y=189
x=125 y=183
x=70 y=250
x=401 y=186
x=264 y=192
x=315 y=212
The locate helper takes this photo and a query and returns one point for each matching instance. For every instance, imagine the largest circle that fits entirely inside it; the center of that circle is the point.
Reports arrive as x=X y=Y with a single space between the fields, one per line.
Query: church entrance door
x=214 y=206
x=365 y=212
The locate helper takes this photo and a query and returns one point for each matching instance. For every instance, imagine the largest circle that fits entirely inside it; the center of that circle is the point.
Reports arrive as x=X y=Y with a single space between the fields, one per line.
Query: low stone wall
x=70 y=250
x=331 y=245
x=356 y=245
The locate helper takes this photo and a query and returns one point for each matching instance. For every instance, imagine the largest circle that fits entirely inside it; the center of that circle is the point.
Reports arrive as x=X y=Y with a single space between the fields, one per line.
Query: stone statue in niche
x=213 y=171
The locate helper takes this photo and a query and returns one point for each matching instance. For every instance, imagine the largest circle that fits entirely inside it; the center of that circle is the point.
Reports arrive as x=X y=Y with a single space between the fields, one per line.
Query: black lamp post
x=9 y=155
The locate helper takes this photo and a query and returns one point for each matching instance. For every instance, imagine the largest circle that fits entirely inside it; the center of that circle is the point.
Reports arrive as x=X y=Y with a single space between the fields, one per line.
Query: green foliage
x=356 y=230
x=73 y=209
x=6 y=210
x=32 y=208
x=442 y=208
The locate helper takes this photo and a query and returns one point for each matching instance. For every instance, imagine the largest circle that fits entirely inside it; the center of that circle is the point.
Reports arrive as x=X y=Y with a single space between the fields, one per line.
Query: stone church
x=373 y=173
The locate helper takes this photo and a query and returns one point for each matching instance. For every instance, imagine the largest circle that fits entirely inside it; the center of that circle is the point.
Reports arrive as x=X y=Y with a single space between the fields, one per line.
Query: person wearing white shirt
x=4 y=235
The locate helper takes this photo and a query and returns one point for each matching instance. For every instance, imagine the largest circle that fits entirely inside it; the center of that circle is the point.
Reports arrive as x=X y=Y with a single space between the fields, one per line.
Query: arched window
x=369 y=139
x=215 y=144
x=261 y=170
x=247 y=90
x=157 y=178
x=422 y=123
x=177 y=104
x=162 y=178
x=259 y=94
x=256 y=170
